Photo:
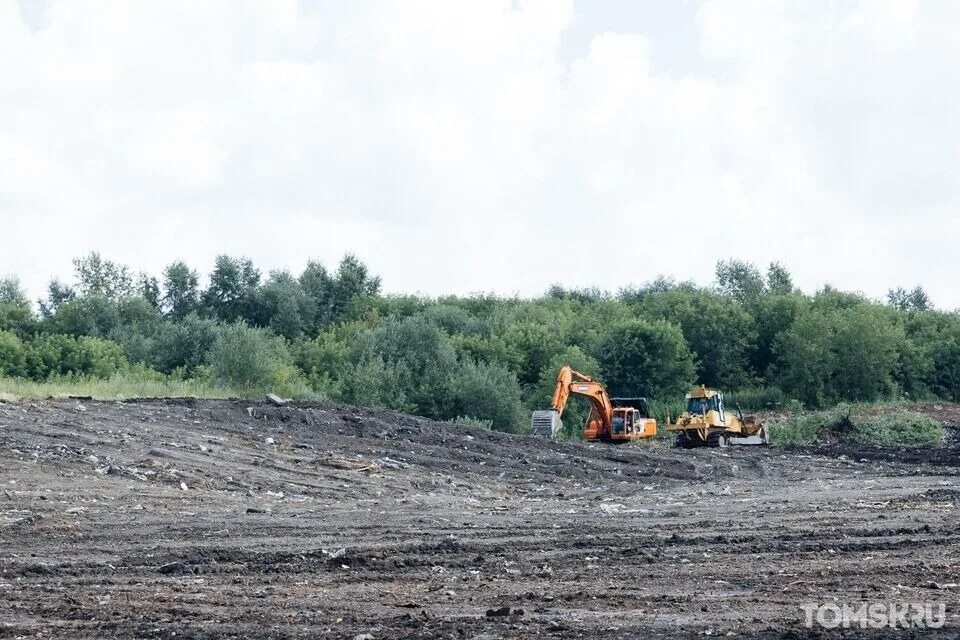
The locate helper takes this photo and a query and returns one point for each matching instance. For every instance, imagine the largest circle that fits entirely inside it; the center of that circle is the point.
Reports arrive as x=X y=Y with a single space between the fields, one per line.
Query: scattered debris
x=276 y=400
x=390 y=463
x=350 y=465
x=943 y=585
x=111 y=548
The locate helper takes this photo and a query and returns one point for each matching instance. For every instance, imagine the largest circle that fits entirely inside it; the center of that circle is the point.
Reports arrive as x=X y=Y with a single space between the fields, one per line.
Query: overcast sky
x=460 y=146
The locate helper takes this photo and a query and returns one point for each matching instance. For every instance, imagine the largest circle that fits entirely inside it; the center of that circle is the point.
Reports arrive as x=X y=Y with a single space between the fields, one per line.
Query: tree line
x=331 y=334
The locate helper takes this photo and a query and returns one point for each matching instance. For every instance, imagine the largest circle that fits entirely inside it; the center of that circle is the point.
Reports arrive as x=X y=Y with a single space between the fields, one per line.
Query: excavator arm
x=573 y=382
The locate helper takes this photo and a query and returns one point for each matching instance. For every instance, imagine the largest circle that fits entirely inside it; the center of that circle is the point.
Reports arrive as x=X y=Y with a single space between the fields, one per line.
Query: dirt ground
x=226 y=519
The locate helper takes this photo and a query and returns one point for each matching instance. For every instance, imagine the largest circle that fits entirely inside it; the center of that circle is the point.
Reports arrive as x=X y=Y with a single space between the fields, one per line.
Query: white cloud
x=453 y=147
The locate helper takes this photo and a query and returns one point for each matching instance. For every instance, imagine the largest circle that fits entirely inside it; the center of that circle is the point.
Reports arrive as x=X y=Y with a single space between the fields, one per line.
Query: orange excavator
x=605 y=422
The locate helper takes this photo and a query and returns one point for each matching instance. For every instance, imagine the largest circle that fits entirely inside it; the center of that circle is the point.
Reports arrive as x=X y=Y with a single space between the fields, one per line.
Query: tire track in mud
x=99 y=537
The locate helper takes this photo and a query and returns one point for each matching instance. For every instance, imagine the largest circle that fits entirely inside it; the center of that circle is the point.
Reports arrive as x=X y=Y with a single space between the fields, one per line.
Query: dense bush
x=411 y=358
x=17 y=319
x=329 y=333
x=244 y=356
x=639 y=357
x=59 y=355
x=487 y=391
x=13 y=356
x=892 y=428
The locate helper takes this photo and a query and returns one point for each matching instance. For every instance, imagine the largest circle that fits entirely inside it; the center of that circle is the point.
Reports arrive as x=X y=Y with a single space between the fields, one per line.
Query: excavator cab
x=630 y=423
x=622 y=420
x=625 y=421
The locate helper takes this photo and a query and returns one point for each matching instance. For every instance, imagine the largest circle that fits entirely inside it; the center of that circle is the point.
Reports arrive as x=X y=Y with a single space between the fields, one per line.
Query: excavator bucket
x=546 y=424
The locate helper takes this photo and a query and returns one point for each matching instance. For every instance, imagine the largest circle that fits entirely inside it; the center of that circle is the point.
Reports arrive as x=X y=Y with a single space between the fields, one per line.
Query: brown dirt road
x=223 y=519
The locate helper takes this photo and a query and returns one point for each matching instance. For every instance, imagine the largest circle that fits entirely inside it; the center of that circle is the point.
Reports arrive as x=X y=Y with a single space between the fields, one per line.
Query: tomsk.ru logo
x=876 y=615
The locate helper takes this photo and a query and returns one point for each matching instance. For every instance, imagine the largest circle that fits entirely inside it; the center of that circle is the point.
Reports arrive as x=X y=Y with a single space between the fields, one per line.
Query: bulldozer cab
x=703 y=401
x=701 y=405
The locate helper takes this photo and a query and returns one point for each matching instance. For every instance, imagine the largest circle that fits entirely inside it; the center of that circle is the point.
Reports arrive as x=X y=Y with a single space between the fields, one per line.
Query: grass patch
x=470 y=421
x=760 y=399
x=894 y=427
x=124 y=386
x=900 y=427
x=661 y=410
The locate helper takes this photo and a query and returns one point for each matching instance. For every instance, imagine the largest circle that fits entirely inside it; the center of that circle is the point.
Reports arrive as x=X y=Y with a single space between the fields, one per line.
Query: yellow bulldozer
x=706 y=422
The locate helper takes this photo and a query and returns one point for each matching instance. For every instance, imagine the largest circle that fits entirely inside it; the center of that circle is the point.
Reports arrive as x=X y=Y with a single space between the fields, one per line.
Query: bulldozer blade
x=546 y=424
x=747 y=441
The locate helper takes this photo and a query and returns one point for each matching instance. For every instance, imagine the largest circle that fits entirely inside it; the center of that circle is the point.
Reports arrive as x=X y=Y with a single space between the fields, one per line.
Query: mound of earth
x=226 y=519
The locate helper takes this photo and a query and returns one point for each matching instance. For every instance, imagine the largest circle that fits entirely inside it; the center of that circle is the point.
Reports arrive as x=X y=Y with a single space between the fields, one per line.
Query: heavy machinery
x=605 y=422
x=706 y=422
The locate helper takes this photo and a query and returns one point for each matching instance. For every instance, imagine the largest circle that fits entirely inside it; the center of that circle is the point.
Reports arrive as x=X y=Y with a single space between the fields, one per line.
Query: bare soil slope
x=223 y=519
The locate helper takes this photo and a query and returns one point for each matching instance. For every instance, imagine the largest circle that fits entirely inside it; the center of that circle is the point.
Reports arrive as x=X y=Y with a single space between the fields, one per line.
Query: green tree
x=372 y=382
x=244 y=356
x=487 y=348
x=316 y=283
x=779 y=281
x=773 y=315
x=451 y=319
x=12 y=294
x=830 y=299
x=181 y=290
x=589 y=294
x=643 y=358
x=13 y=356
x=946 y=360
x=182 y=345
x=417 y=353
x=535 y=344
x=865 y=346
x=323 y=360
x=488 y=392
x=58 y=294
x=353 y=281
x=720 y=332
x=93 y=315
x=58 y=355
x=914 y=300
x=805 y=359
x=103 y=278
x=139 y=322
x=924 y=355
x=233 y=284
x=282 y=306
x=149 y=290
x=17 y=319
x=740 y=280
